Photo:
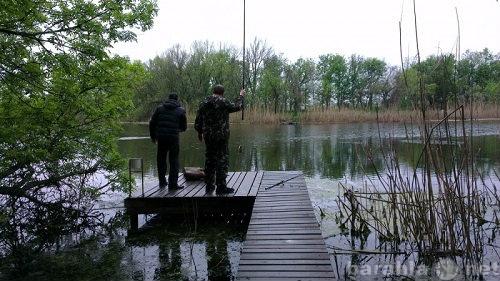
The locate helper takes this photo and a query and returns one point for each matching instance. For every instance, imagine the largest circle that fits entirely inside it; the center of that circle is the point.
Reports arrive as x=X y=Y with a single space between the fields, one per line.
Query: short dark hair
x=218 y=89
x=173 y=96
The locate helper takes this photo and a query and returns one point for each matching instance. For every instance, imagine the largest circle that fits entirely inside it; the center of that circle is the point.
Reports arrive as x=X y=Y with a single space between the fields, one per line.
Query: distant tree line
x=277 y=85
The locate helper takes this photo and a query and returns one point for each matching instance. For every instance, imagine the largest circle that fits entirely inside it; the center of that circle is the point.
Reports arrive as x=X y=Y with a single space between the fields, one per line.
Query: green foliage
x=61 y=100
x=298 y=77
x=93 y=259
x=272 y=84
x=277 y=85
x=332 y=69
x=190 y=75
x=373 y=72
x=492 y=92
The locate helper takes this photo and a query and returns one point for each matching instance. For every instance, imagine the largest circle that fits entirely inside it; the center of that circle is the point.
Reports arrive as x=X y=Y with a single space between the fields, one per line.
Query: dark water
x=328 y=155
x=331 y=157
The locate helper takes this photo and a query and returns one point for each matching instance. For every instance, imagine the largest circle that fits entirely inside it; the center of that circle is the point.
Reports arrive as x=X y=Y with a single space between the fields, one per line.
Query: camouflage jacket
x=212 y=117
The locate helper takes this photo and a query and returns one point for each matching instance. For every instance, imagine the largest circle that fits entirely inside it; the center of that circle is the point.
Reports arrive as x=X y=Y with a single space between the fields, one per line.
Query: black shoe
x=163 y=184
x=176 y=187
x=224 y=190
x=209 y=188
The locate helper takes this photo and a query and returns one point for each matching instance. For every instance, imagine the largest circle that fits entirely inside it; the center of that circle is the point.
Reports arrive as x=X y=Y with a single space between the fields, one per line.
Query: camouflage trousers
x=216 y=162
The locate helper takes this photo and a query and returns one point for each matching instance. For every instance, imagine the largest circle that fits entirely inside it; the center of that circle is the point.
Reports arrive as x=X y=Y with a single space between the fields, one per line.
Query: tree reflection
x=176 y=251
x=218 y=260
x=170 y=260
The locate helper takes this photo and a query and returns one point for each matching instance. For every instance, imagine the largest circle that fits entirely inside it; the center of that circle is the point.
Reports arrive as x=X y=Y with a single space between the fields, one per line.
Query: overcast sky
x=310 y=28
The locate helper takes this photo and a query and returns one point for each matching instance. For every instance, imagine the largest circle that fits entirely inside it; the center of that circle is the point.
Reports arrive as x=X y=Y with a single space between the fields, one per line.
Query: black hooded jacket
x=168 y=120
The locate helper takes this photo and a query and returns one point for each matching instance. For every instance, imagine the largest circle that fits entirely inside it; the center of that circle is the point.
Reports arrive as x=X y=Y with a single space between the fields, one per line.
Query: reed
x=437 y=208
x=348 y=115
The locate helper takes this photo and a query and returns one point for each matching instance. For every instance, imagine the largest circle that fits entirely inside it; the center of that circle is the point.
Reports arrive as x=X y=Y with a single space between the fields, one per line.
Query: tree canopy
x=277 y=85
x=61 y=99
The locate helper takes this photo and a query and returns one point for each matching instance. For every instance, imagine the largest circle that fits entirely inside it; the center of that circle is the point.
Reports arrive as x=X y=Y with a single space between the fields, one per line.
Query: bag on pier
x=193 y=173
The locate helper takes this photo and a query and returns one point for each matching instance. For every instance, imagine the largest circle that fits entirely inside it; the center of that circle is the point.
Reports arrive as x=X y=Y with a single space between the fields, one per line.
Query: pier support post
x=134 y=221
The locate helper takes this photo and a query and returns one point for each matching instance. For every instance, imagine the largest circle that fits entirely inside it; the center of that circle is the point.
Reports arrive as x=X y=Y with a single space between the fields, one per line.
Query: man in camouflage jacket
x=212 y=125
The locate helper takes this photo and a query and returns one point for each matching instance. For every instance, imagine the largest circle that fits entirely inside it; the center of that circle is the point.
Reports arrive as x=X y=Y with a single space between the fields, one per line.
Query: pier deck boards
x=283 y=240
x=192 y=198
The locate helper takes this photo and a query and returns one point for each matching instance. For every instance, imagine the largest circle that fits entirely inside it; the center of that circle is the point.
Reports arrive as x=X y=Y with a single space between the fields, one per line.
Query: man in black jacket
x=165 y=125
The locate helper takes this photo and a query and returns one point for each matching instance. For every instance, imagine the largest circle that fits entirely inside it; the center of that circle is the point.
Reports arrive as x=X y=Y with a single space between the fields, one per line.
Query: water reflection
x=334 y=152
x=171 y=251
x=328 y=155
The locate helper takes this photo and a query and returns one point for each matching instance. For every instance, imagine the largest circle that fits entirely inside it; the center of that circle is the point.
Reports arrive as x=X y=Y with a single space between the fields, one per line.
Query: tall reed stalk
x=436 y=206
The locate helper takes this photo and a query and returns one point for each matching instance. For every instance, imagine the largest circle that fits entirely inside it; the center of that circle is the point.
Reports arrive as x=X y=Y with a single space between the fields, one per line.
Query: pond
x=332 y=157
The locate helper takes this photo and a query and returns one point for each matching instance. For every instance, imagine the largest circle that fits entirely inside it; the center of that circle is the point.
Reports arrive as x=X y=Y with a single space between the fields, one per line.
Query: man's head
x=173 y=96
x=218 y=89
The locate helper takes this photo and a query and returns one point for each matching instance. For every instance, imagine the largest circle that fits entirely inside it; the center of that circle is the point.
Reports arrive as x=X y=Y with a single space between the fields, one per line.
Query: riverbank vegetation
x=439 y=210
x=62 y=97
x=333 y=115
x=331 y=88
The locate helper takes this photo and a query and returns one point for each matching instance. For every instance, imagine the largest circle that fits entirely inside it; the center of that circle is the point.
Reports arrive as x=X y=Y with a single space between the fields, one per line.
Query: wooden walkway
x=283 y=240
x=192 y=199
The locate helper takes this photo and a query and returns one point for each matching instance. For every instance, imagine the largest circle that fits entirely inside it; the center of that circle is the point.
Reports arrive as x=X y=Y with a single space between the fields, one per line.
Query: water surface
x=330 y=156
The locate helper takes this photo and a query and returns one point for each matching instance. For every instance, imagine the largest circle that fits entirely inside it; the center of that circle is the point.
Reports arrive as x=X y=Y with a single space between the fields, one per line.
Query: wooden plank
x=283 y=257
x=243 y=182
x=288 y=236
x=281 y=231
x=167 y=201
x=284 y=197
x=272 y=221
x=284 y=242
x=283 y=206
x=247 y=182
x=148 y=192
x=183 y=192
x=282 y=210
x=271 y=275
x=263 y=248
x=296 y=267
x=256 y=184
x=233 y=180
x=283 y=239
x=285 y=201
x=242 y=188
x=197 y=190
x=284 y=247
x=281 y=279
x=300 y=267
x=285 y=225
x=278 y=215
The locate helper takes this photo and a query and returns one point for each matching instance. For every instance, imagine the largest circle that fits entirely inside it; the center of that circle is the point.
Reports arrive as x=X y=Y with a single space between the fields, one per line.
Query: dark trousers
x=168 y=146
x=216 y=162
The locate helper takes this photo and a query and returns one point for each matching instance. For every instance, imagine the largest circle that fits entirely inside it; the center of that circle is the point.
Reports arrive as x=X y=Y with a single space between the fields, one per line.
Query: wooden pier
x=193 y=199
x=283 y=241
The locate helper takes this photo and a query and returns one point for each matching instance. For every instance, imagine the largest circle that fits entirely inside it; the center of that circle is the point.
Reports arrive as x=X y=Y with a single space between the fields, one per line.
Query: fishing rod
x=243 y=80
x=283 y=181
